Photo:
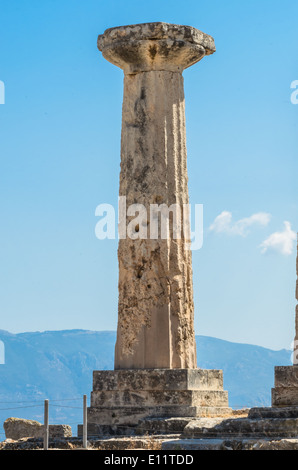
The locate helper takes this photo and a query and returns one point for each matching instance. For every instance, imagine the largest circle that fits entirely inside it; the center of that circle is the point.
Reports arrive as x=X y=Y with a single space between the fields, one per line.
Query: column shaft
x=295 y=360
x=155 y=317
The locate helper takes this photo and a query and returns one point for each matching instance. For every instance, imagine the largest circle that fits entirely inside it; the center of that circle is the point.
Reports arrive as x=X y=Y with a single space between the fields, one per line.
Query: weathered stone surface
x=17 y=428
x=134 y=421
x=155 y=315
x=75 y=443
x=160 y=426
x=177 y=425
x=122 y=398
x=131 y=415
x=285 y=396
x=278 y=444
x=295 y=356
x=285 y=392
x=173 y=425
x=286 y=376
x=155 y=355
x=160 y=398
x=166 y=443
x=232 y=444
x=273 y=412
x=155 y=307
x=146 y=420
x=57 y=431
x=192 y=444
x=242 y=427
x=154 y=46
x=158 y=379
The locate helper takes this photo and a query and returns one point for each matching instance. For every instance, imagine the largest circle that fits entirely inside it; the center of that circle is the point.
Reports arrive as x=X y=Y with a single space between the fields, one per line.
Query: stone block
x=17 y=428
x=285 y=392
x=286 y=376
x=230 y=444
x=242 y=427
x=273 y=412
x=159 y=398
x=158 y=379
x=131 y=415
x=57 y=431
x=284 y=396
x=121 y=399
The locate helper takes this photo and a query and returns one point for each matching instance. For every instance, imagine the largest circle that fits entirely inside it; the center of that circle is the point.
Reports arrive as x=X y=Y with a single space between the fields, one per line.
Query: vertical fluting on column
x=295 y=358
x=155 y=308
x=155 y=316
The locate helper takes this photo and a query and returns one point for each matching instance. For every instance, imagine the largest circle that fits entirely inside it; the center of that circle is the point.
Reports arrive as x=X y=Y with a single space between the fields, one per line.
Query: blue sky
x=60 y=155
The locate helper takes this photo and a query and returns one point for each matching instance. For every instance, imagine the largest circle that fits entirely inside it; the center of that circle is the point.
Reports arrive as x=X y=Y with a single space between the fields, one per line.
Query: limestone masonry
x=285 y=391
x=155 y=314
x=156 y=371
x=296 y=322
x=156 y=387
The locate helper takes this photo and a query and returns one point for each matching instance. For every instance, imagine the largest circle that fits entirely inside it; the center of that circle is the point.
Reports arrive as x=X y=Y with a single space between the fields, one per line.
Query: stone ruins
x=155 y=355
x=156 y=386
x=295 y=360
x=285 y=391
x=155 y=316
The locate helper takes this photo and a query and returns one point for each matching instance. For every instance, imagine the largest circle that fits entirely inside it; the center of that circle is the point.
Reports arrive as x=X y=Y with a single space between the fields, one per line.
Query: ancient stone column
x=295 y=358
x=285 y=391
x=156 y=374
x=155 y=314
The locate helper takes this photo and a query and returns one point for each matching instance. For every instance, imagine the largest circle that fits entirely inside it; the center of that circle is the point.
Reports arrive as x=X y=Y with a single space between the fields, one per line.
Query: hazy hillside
x=58 y=365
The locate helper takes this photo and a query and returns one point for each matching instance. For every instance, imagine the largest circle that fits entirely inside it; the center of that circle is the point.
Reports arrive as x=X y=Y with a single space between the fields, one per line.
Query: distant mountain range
x=58 y=365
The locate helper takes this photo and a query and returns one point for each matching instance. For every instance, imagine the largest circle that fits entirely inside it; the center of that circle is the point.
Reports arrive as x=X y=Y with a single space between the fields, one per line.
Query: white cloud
x=283 y=242
x=223 y=223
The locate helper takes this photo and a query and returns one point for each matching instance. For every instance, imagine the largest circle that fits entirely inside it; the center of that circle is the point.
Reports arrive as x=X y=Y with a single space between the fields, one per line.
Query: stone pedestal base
x=285 y=391
x=121 y=398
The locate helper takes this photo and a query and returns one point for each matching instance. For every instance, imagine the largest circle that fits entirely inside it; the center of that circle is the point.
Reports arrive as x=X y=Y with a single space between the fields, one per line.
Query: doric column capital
x=154 y=46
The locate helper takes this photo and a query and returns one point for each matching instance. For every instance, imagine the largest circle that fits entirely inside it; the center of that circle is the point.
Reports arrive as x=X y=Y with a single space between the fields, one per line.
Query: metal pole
x=46 y=425
x=85 y=421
